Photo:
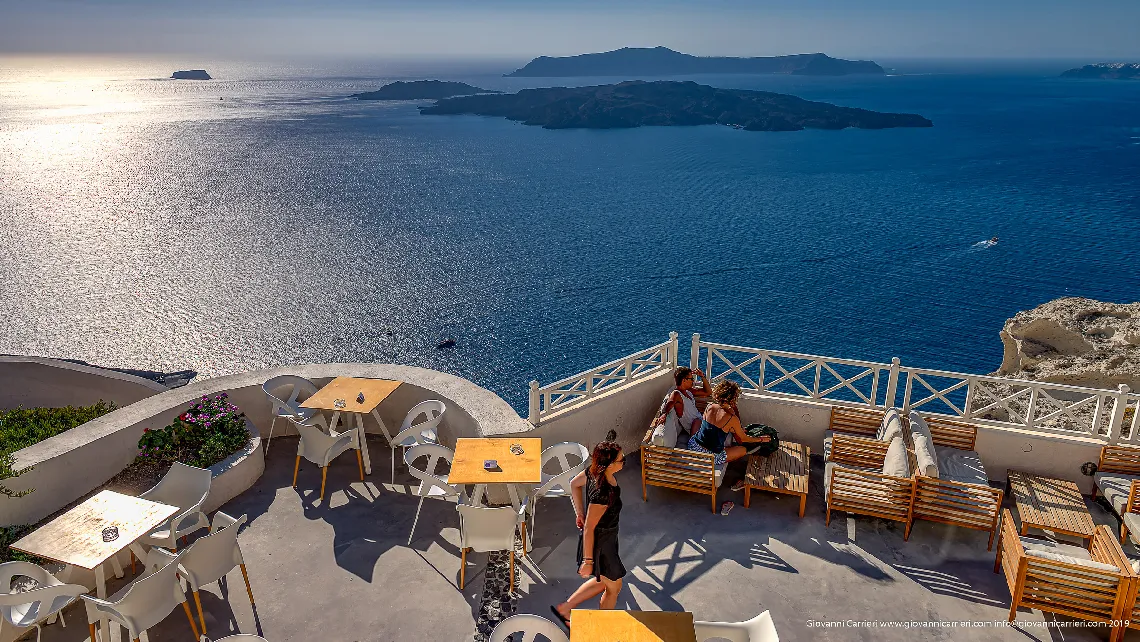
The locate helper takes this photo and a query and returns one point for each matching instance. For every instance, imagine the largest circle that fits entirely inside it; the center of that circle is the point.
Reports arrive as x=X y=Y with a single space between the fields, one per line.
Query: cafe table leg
x=101 y=593
x=363 y=443
x=116 y=566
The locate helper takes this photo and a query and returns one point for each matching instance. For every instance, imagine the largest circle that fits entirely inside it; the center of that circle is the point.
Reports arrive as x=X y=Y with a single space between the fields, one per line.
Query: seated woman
x=682 y=402
x=720 y=420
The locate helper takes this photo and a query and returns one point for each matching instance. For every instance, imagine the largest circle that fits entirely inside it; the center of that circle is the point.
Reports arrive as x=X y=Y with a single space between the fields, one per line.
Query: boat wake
x=981 y=245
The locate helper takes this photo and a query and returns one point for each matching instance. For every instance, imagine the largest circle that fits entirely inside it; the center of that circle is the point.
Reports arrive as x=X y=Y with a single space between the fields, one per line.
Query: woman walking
x=597 y=506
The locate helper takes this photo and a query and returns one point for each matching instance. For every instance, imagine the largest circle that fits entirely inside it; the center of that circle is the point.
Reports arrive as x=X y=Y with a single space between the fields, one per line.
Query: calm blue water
x=263 y=219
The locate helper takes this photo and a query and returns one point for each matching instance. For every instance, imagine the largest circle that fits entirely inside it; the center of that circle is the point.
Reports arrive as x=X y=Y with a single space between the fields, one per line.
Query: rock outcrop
x=1075 y=341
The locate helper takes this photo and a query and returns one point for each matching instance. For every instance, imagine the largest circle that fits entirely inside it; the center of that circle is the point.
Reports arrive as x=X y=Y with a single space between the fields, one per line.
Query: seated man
x=721 y=419
x=681 y=403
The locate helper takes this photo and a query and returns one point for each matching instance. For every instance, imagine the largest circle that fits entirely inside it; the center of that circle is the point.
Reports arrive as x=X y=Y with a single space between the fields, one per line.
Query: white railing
x=1107 y=415
x=581 y=387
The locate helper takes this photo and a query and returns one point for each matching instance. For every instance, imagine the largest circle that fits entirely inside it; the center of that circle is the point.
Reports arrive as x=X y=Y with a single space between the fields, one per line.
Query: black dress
x=607 y=562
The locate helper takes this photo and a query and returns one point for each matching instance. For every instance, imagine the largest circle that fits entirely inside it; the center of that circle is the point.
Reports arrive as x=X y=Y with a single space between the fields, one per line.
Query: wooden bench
x=951 y=502
x=937 y=500
x=864 y=492
x=677 y=468
x=1087 y=593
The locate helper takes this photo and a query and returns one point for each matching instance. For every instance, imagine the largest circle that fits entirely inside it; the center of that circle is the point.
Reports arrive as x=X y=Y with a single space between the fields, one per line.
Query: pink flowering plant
x=211 y=430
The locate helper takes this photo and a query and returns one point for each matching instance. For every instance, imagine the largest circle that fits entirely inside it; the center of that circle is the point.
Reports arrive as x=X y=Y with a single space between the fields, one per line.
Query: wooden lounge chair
x=678 y=468
x=1118 y=479
x=961 y=494
x=1097 y=585
x=854 y=482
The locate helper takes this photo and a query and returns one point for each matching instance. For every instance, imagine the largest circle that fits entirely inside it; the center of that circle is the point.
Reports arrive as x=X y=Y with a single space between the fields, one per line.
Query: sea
x=266 y=218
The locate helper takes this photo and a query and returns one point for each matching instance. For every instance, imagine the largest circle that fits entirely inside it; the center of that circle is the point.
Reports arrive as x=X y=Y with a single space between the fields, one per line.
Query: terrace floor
x=342 y=570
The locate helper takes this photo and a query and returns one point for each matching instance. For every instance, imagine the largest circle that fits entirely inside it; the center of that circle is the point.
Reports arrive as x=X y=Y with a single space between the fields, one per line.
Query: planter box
x=237 y=473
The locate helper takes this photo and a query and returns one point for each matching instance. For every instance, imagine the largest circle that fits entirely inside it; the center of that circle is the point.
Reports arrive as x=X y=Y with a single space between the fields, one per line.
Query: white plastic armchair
x=288 y=405
x=321 y=448
x=31 y=608
x=482 y=530
x=146 y=601
x=212 y=557
x=557 y=484
x=187 y=488
x=758 y=629
x=531 y=626
x=420 y=426
x=432 y=484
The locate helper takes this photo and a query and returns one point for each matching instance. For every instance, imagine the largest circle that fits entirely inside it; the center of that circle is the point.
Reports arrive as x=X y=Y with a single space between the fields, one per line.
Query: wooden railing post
x=892 y=383
x=673 y=357
x=535 y=396
x=695 y=353
x=1116 y=420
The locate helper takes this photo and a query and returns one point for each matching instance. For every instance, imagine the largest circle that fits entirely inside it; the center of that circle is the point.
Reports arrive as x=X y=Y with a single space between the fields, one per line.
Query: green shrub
x=10 y=535
x=23 y=427
x=211 y=430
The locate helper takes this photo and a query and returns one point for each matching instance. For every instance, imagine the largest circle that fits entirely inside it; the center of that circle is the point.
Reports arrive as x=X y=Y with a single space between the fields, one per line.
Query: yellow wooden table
x=75 y=538
x=339 y=395
x=467 y=467
x=631 y=626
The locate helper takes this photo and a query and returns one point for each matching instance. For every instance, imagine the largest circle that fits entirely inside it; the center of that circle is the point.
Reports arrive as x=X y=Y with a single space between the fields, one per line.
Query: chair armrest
x=45 y=594
x=222 y=520
x=858 y=451
x=1105 y=548
x=96 y=608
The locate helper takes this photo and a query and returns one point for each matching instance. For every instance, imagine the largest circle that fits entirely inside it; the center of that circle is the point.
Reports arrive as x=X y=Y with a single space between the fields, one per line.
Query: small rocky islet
x=190 y=74
x=668 y=103
x=421 y=90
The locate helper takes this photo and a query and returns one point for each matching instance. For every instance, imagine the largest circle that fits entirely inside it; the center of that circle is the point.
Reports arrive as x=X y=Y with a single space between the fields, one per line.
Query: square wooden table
x=75 y=538
x=631 y=626
x=784 y=471
x=467 y=467
x=1050 y=504
x=346 y=389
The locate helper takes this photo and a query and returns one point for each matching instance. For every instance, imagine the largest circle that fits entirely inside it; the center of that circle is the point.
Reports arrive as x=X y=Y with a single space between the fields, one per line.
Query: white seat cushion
x=891 y=426
x=924 y=451
x=1132 y=521
x=827 y=437
x=1115 y=487
x=963 y=466
x=895 y=463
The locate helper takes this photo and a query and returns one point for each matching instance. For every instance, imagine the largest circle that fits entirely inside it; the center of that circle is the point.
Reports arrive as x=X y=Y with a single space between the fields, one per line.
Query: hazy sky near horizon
x=1094 y=29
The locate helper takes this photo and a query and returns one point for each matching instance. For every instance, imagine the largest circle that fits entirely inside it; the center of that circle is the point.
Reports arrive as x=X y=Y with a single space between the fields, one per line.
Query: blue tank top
x=711 y=438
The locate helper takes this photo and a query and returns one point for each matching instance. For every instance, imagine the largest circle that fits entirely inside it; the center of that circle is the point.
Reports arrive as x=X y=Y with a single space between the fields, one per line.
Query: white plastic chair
x=144 y=602
x=431 y=484
x=31 y=608
x=187 y=488
x=321 y=448
x=758 y=629
x=482 y=530
x=531 y=626
x=558 y=484
x=289 y=404
x=212 y=557
x=410 y=433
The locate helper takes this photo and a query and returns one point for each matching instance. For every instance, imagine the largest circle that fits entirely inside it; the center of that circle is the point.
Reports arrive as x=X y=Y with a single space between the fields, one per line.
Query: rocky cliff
x=1075 y=341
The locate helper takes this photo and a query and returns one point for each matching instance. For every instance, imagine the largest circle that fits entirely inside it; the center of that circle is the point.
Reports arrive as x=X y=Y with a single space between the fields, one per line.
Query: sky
x=864 y=29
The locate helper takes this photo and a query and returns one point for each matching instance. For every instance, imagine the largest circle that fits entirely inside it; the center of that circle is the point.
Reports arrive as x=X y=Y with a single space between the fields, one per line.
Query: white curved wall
x=37 y=382
x=72 y=464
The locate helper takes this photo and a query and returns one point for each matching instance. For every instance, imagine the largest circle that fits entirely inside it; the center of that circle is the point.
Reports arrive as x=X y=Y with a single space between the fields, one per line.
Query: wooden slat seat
x=677 y=468
x=1075 y=589
x=948 y=501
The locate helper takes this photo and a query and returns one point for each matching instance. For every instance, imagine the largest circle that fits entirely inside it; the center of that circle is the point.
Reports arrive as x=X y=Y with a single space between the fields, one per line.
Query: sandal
x=564 y=620
x=738 y=486
x=726 y=508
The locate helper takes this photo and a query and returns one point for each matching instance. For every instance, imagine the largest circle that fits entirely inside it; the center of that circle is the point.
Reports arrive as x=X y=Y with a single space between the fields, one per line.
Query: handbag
x=762 y=430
